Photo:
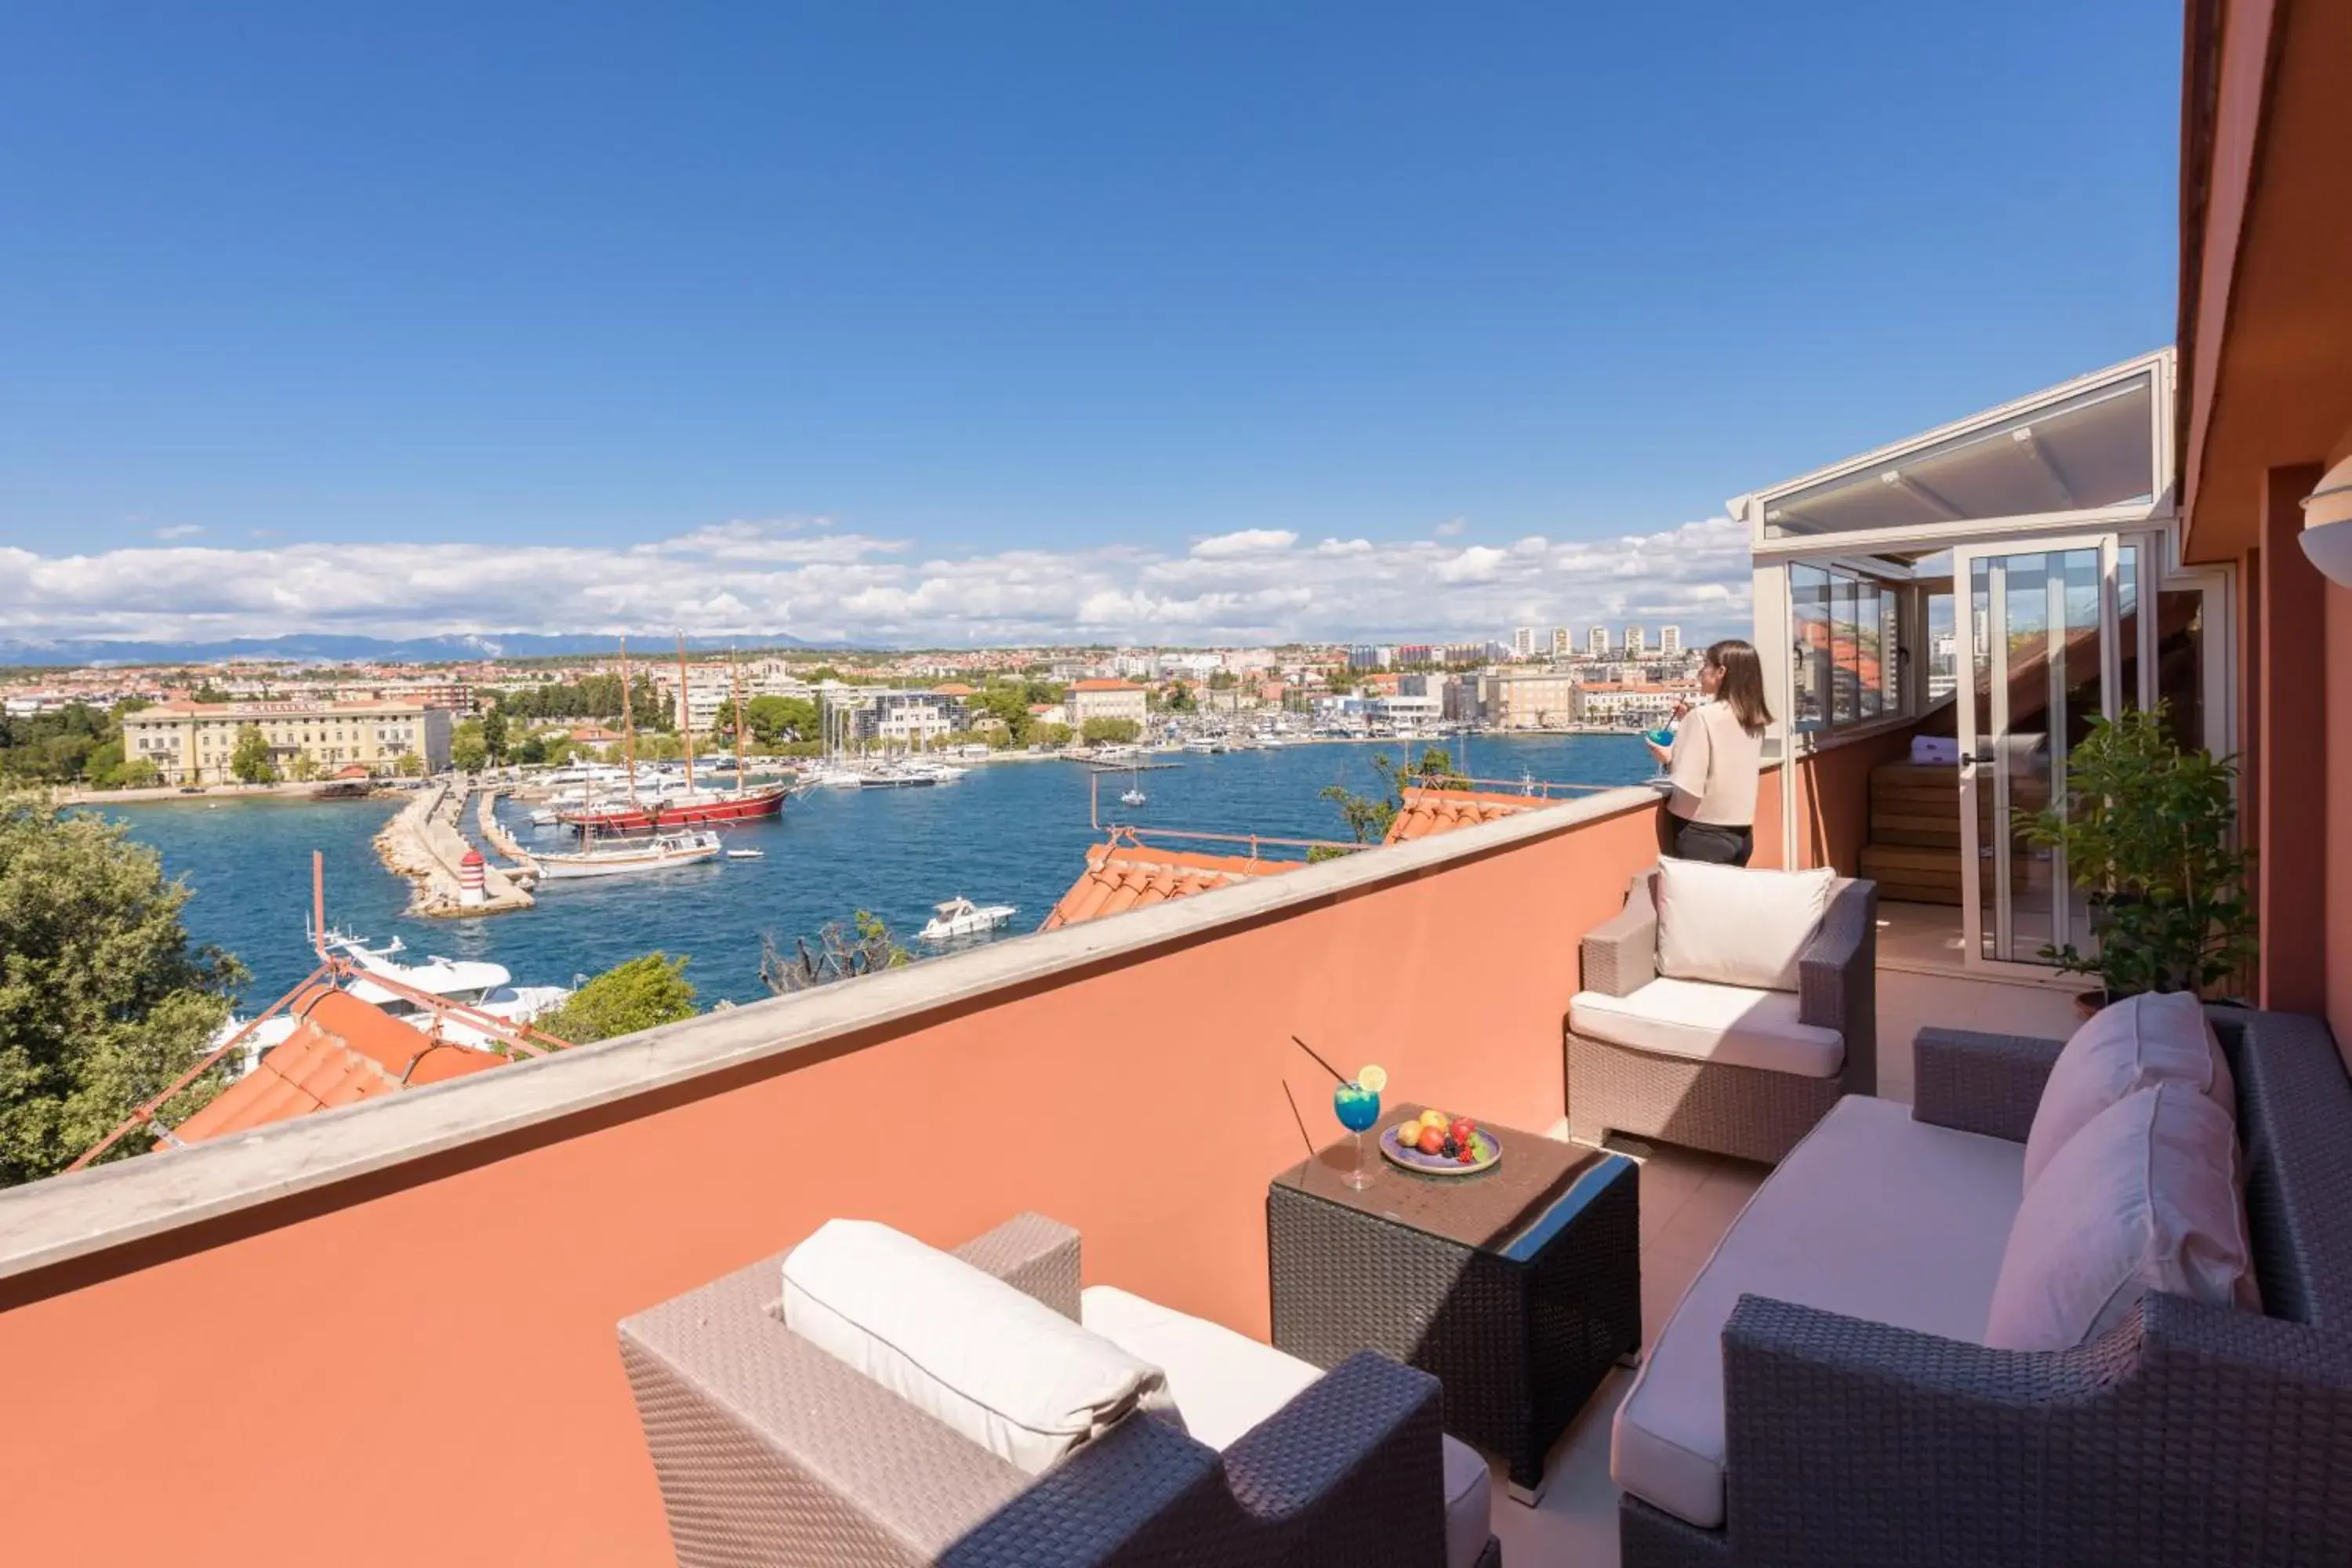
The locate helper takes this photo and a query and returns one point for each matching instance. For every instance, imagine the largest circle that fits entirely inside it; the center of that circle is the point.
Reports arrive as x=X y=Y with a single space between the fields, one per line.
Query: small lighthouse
x=469 y=880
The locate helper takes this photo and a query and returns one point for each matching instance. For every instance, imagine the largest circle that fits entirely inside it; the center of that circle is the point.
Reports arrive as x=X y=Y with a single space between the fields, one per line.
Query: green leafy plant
x=639 y=994
x=2147 y=831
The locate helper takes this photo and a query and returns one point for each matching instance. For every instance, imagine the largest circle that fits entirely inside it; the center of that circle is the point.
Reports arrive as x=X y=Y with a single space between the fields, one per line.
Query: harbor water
x=1011 y=832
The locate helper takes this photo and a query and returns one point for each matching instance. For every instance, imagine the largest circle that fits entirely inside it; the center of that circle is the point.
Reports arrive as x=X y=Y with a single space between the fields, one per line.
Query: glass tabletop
x=1512 y=1208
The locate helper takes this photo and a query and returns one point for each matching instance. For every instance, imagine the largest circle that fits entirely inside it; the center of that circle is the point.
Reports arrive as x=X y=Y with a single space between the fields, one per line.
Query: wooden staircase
x=1913 y=853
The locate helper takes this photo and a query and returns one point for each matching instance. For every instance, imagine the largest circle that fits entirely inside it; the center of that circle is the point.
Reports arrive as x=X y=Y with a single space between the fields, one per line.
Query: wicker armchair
x=770 y=1451
x=1750 y=1113
x=2188 y=1434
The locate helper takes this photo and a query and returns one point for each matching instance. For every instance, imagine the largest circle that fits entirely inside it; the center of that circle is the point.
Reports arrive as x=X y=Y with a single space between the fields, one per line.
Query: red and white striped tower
x=469 y=880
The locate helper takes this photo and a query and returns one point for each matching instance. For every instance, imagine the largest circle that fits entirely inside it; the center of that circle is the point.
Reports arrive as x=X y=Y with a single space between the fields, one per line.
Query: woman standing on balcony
x=1718 y=748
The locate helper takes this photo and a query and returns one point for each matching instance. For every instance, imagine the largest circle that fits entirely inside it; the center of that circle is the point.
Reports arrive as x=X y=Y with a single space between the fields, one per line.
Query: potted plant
x=2148 y=830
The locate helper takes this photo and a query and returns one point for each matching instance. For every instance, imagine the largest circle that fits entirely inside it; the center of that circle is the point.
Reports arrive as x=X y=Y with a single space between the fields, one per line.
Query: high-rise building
x=1596 y=642
x=1634 y=643
x=1523 y=643
x=1563 y=642
x=1670 y=639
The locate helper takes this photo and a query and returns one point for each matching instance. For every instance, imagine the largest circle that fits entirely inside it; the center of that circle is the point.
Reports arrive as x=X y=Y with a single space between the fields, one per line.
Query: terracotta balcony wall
x=385 y=1334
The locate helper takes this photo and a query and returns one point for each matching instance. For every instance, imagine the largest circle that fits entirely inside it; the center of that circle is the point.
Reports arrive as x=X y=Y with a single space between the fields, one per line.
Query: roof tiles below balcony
x=1427 y=811
x=1123 y=876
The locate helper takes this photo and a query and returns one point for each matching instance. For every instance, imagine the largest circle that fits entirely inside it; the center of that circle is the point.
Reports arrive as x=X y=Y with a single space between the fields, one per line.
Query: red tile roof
x=1427 y=811
x=1104 y=686
x=342 y=1051
x=1124 y=876
x=953 y=689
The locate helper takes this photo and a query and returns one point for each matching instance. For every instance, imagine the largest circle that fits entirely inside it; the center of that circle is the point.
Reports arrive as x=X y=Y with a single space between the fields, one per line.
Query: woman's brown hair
x=1743 y=683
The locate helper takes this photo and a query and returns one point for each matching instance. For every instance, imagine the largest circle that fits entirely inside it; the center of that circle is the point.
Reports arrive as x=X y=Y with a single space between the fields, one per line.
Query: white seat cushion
x=1872 y=1215
x=996 y=1364
x=1735 y=1025
x=2145 y=1197
x=1228 y=1383
x=2126 y=1046
x=1738 y=927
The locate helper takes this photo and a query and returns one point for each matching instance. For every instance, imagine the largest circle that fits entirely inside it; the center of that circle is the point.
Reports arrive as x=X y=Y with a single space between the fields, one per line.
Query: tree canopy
x=103 y=1001
x=1100 y=731
x=638 y=994
x=250 y=762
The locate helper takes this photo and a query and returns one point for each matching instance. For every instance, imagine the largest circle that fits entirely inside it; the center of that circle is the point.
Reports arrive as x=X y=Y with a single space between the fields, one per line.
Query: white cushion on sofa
x=1872 y=1215
x=2143 y=1198
x=1734 y=926
x=2126 y=1046
x=1227 y=1383
x=1735 y=1025
x=996 y=1364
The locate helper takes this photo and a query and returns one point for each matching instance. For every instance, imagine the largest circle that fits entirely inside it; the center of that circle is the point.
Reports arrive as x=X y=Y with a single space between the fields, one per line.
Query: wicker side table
x=1518 y=1288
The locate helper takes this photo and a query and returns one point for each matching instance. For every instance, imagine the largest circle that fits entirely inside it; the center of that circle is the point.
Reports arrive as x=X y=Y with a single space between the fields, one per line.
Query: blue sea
x=1012 y=832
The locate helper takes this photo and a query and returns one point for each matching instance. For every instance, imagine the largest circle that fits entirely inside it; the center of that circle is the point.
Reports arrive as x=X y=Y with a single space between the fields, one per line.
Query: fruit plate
x=1483 y=1143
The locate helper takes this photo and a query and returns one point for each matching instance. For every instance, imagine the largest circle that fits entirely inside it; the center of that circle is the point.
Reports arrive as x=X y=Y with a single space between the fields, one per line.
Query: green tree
x=1176 y=697
x=779 y=720
x=1050 y=734
x=532 y=751
x=103 y=1002
x=635 y=996
x=409 y=765
x=494 y=734
x=304 y=767
x=1369 y=816
x=139 y=772
x=249 y=762
x=468 y=752
x=1098 y=731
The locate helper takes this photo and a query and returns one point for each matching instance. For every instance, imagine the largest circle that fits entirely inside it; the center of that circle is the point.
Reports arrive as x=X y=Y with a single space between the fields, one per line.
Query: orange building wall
x=429 y=1373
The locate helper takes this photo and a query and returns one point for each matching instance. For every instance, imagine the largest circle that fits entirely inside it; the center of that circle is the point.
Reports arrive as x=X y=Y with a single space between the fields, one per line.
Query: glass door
x=2039 y=654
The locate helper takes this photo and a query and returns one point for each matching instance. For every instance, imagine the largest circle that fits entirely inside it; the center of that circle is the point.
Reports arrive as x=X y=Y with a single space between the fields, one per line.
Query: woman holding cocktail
x=1718 y=751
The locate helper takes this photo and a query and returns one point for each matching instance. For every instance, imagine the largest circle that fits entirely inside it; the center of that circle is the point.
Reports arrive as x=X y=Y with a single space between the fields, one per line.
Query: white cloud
x=810 y=579
x=1451 y=527
x=180 y=530
x=1246 y=542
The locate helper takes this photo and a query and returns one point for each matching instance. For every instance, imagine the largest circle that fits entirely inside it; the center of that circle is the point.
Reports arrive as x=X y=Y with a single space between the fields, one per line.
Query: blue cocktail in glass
x=1357 y=1109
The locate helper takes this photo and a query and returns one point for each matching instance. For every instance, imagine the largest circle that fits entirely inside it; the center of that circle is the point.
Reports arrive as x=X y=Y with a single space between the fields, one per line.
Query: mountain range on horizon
x=329 y=649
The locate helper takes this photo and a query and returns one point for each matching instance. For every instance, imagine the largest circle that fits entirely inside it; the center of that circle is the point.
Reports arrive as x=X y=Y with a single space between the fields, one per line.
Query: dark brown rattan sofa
x=1752 y=1113
x=770 y=1452
x=2189 y=1434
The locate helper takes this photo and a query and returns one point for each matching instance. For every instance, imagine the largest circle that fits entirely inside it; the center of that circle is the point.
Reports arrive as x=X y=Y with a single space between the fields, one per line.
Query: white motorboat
x=484 y=987
x=746 y=854
x=619 y=858
x=1132 y=797
x=960 y=917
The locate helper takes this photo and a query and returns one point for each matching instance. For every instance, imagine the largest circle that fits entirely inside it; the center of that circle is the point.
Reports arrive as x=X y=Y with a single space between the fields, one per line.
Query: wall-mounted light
x=2327 y=524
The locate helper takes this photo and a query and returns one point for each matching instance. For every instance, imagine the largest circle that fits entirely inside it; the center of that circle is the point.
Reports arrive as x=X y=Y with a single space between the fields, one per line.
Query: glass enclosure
x=2097 y=447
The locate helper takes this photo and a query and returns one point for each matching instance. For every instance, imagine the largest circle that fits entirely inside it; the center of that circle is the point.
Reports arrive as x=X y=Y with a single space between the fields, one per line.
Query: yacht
x=622 y=857
x=482 y=986
x=960 y=917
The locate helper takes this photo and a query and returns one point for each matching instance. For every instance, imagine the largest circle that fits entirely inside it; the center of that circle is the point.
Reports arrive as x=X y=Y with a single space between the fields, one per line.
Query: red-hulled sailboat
x=695 y=806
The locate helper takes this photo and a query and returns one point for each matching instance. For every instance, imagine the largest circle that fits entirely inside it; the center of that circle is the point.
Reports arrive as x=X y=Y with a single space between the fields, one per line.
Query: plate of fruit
x=1437 y=1145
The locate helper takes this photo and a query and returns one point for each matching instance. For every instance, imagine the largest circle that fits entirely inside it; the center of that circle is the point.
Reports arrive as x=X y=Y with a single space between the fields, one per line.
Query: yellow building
x=1530 y=699
x=192 y=742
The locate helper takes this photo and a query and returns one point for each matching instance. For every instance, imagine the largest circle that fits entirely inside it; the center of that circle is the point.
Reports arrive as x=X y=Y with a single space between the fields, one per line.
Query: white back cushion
x=1734 y=926
x=2126 y=1046
x=2144 y=1197
x=999 y=1366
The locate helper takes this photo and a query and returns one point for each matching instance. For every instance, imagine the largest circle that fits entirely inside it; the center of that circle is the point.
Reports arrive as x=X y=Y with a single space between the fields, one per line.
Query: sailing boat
x=1134 y=795
x=694 y=806
x=620 y=857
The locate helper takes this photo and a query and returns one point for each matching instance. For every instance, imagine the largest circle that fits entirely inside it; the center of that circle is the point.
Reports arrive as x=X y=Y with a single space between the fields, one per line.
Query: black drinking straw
x=1335 y=1074
x=1303 y=1138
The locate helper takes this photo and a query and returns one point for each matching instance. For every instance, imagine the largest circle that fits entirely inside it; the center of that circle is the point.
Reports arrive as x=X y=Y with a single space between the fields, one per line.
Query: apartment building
x=1105 y=699
x=1563 y=642
x=1670 y=640
x=1634 y=705
x=1529 y=699
x=1637 y=642
x=1525 y=641
x=192 y=742
x=1596 y=643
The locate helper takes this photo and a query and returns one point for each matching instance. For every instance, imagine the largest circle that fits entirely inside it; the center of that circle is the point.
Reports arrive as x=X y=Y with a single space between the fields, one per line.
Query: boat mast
x=735 y=679
x=628 y=728
x=686 y=715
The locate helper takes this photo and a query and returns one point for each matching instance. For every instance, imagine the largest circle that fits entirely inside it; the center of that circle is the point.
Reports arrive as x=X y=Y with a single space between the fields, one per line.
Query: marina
x=1017 y=833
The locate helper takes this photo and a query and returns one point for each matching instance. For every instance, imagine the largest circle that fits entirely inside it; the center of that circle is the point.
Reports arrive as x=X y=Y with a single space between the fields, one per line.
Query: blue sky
x=953 y=322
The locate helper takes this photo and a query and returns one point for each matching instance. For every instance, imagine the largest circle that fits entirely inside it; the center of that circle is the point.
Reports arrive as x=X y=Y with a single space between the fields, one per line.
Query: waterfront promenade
x=424 y=844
